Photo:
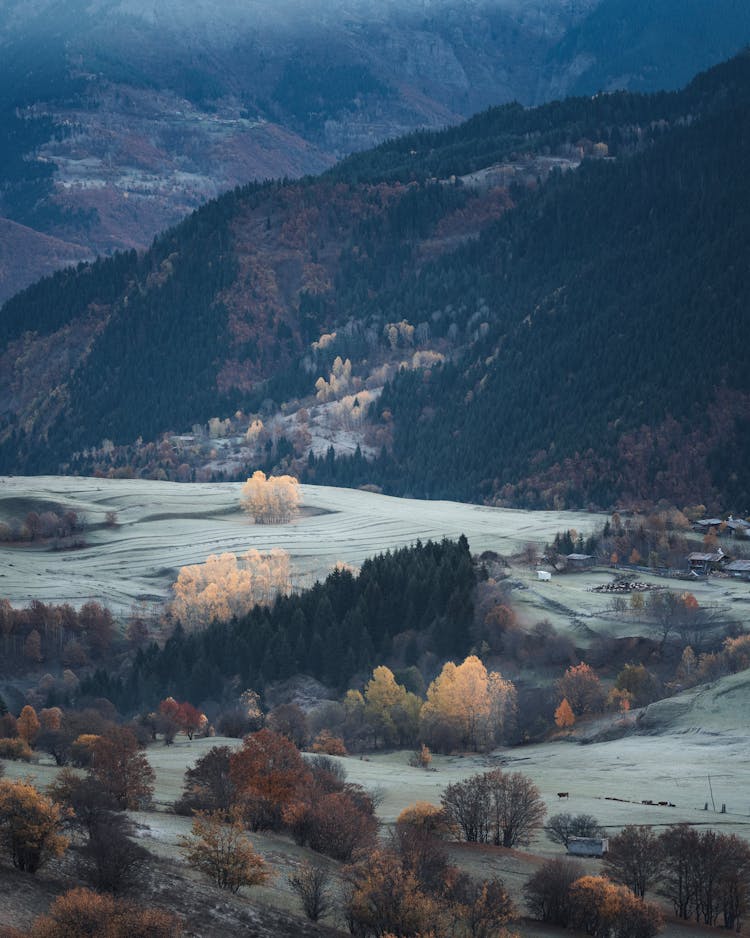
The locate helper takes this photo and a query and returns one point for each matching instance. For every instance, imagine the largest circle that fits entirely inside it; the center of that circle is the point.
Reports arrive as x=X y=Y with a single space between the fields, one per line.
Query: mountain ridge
x=118 y=118
x=540 y=295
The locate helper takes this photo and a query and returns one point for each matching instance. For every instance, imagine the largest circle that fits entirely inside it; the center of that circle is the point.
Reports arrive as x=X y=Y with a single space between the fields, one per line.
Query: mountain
x=119 y=117
x=564 y=287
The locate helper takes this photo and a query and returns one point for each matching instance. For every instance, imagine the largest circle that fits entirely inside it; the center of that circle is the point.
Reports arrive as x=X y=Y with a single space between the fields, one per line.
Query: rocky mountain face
x=118 y=117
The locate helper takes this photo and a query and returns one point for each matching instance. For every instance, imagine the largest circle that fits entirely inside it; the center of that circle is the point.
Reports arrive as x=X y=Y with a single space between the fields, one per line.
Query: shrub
x=547 y=892
x=325 y=742
x=16 y=750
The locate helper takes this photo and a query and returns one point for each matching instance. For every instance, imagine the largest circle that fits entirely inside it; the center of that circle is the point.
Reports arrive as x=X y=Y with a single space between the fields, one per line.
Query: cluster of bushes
x=560 y=893
x=704 y=875
x=276 y=789
x=49 y=525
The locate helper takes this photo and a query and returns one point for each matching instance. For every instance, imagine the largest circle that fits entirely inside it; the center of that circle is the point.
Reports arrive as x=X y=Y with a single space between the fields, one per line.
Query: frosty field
x=162 y=526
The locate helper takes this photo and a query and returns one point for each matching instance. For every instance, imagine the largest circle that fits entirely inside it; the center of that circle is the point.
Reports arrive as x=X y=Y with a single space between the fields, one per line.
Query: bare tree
x=635 y=858
x=517 y=809
x=312 y=884
x=561 y=827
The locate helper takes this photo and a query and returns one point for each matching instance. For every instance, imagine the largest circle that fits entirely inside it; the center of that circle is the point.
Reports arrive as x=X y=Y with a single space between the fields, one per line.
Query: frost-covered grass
x=162 y=526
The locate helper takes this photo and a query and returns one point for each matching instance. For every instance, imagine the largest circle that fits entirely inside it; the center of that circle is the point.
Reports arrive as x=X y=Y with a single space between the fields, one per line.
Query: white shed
x=588 y=846
x=544 y=575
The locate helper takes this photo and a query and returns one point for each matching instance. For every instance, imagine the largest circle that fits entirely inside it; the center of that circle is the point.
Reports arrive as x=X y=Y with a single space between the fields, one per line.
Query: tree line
x=419 y=597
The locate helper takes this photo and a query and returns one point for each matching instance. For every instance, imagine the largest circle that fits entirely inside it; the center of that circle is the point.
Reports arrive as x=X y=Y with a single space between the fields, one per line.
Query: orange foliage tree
x=581 y=687
x=600 y=908
x=82 y=912
x=268 y=773
x=30 y=826
x=386 y=899
x=28 y=725
x=220 y=849
x=564 y=716
x=121 y=768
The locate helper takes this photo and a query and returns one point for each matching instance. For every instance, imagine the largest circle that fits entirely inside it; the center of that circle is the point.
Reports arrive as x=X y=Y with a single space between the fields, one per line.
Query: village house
x=740 y=569
x=579 y=561
x=736 y=527
x=704 y=563
x=704 y=525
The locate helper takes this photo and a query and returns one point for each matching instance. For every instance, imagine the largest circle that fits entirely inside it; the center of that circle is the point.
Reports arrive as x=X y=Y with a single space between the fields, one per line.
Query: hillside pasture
x=162 y=526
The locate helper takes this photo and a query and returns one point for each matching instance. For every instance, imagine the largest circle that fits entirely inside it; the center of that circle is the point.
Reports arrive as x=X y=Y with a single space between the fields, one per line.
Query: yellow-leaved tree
x=226 y=586
x=391 y=712
x=272 y=500
x=467 y=707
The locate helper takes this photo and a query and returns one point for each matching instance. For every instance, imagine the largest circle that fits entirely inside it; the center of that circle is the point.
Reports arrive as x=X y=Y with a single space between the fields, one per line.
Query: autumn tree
x=564 y=716
x=219 y=849
x=97 y=624
x=340 y=823
x=28 y=725
x=80 y=913
x=547 y=891
x=468 y=707
x=290 y=720
x=484 y=908
x=122 y=769
x=267 y=773
x=419 y=833
x=226 y=586
x=634 y=858
x=385 y=899
x=30 y=826
x=208 y=785
x=390 y=710
x=272 y=500
x=50 y=718
x=601 y=908
x=581 y=687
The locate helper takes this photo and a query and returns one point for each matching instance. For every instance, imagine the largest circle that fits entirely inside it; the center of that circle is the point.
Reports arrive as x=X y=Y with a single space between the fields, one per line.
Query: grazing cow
x=563 y=794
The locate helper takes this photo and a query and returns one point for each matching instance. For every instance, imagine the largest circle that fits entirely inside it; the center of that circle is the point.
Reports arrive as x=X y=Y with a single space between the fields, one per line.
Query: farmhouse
x=737 y=527
x=579 y=561
x=588 y=846
x=704 y=525
x=704 y=563
x=739 y=569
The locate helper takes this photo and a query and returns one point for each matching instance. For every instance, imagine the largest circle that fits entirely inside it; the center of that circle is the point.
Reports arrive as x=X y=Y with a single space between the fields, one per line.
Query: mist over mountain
x=118 y=117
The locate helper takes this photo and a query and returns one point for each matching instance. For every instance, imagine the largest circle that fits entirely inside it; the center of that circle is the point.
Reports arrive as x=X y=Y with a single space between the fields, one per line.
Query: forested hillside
x=589 y=319
x=118 y=118
x=332 y=631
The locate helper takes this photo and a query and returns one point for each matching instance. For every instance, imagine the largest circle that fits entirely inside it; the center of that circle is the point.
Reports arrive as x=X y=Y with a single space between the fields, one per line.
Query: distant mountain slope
x=595 y=333
x=26 y=254
x=119 y=117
